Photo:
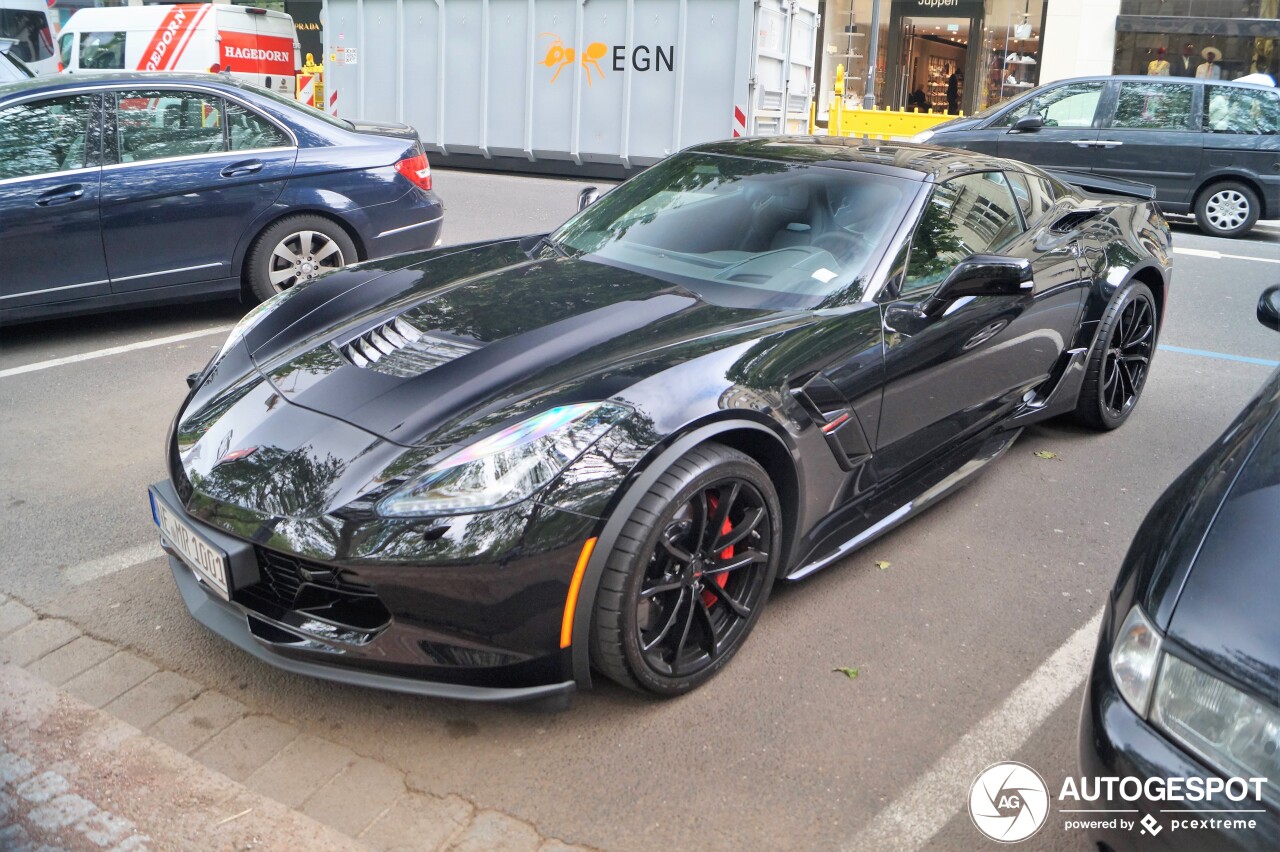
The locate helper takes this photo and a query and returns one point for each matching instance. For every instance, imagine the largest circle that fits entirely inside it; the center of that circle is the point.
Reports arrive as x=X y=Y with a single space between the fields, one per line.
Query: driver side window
x=967 y=215
x=1071 y=105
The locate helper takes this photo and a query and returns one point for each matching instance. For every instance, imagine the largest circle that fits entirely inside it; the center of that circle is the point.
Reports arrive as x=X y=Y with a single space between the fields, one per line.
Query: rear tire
x=1227 y=209
x=1118 y=367
x=294 y=250
x=689 y=575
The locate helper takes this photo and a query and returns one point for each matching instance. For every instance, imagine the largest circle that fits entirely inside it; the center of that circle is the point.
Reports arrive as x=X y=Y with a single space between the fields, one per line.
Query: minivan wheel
x=294 y=250
x=1227 y=209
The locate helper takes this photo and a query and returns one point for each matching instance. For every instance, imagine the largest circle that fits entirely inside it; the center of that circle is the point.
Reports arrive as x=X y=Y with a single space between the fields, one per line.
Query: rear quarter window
x=1241 y=111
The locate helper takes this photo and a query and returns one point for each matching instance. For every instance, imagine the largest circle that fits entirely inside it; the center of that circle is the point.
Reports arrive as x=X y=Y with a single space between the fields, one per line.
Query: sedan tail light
x=417 y=170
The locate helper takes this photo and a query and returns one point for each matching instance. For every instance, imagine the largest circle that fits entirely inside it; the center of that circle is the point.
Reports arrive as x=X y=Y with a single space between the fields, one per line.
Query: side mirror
x=1269 y=308
x=982 y=275
x=1029 y=123
x=587 y=197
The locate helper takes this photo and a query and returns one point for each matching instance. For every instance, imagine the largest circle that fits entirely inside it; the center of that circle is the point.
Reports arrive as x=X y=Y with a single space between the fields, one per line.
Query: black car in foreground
x=484 y=470
x=1186 y=678
x=1209 y=147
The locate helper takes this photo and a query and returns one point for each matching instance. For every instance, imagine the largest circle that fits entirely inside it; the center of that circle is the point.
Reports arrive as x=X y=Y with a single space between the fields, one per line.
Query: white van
x=32 y=26
x=256 y=45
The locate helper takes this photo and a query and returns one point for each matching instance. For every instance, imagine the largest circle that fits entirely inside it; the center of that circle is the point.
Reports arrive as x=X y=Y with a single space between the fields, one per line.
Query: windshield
x=755 y=232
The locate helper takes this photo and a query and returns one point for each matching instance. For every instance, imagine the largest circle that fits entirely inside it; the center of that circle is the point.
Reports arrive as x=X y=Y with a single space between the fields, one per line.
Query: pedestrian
x=1209 y=69
x=1158 y=67
x=953 y=91
x=917 y=100
x=1186 y=64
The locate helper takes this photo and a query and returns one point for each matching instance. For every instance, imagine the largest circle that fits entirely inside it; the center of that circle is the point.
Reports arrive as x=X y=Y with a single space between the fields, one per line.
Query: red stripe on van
x=159 y=54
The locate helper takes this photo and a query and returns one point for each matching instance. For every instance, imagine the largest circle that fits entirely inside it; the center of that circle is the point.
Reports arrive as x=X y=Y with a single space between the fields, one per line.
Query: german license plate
x=208 y=562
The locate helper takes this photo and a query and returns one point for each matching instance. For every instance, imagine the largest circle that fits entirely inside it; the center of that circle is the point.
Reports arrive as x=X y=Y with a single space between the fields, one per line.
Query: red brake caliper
x=708 y=597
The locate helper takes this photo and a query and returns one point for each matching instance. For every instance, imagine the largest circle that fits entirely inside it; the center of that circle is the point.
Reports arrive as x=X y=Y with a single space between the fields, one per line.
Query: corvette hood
x=474 y=337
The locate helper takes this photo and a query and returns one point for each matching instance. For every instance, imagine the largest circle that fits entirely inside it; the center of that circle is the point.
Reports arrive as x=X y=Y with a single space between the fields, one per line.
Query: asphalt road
x=779 y=750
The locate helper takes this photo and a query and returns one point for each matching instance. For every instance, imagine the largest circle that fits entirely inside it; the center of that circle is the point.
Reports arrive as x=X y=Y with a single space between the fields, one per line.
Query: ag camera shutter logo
x=1009 y=802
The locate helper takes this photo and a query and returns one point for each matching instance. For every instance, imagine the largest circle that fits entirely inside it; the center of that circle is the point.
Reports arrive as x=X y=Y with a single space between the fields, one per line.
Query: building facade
x=967 y=55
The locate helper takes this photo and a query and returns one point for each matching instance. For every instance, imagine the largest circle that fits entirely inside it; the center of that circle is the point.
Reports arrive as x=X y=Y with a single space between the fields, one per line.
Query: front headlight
x=1229 y=729
x=1133 y=659
x=923 y=136
x=505 y=467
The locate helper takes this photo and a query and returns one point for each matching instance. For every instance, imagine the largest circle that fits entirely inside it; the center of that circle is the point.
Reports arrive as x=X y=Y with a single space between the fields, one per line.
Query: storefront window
x=1198 y=38
x=845 y=40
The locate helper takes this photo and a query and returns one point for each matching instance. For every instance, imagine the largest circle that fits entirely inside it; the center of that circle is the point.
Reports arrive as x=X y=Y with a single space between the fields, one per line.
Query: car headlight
x=256 y=315
x=1229 y=729
x=923 y=136
x=1134 y=656
x=507 y=466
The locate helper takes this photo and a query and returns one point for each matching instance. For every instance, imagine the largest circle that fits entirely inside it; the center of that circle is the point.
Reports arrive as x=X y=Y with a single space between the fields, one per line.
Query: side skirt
x=988 y=452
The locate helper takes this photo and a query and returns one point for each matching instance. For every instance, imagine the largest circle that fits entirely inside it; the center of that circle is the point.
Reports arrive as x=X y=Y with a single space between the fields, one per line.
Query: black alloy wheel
x=690 y=574
x=1119 y=366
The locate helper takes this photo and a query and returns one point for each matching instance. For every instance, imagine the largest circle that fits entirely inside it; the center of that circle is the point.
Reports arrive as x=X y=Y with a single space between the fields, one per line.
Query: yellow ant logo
x=558 y=56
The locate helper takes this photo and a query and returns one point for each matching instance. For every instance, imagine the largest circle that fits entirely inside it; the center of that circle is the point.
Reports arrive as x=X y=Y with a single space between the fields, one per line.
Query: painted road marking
x=86 y=572
x=1204 y=353
x=1217 y=255
x=114 y=350
x=943 y=791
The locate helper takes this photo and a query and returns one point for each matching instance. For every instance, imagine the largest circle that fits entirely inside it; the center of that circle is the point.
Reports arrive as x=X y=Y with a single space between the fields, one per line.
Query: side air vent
x=1076 y=218
x=398 y=348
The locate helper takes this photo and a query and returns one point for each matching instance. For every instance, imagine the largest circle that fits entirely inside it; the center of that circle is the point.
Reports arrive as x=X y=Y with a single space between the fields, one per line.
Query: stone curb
x=263 y=779
x=76 y=778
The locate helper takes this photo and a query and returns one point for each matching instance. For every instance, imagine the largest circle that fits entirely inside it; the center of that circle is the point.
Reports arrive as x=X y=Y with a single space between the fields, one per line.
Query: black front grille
x=315 y=588
x=286 y=577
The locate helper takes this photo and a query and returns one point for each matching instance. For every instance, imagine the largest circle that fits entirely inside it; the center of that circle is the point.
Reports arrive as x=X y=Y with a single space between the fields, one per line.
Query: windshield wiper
x=546 y=241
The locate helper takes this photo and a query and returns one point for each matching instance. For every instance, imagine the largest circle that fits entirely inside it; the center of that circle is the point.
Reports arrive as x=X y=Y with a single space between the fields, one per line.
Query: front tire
x=1119 y=364
x=689 y=575
x=294 y=250
x=1227 y=209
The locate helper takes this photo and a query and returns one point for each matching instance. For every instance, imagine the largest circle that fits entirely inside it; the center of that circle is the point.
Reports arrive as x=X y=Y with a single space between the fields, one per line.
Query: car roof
x=53 y=83
x=1142 y=78
x=899 y=159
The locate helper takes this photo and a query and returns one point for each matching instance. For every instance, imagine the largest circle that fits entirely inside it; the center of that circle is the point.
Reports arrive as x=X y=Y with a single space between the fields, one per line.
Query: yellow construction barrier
x=311 y=83
x=873 y=123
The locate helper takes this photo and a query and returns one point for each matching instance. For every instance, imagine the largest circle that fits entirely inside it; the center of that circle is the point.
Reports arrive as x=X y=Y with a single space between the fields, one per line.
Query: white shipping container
x=620 y=82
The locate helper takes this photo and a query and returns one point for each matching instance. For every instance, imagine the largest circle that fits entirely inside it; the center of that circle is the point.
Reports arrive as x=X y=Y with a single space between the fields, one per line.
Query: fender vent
x=399 y=348
x=1076 y=218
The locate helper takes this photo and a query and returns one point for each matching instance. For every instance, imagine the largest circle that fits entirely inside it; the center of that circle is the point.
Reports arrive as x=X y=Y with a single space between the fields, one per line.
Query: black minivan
x=1209 y=147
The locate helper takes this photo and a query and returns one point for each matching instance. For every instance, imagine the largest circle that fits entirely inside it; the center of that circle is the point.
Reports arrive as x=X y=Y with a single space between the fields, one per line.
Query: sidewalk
x=168 y=765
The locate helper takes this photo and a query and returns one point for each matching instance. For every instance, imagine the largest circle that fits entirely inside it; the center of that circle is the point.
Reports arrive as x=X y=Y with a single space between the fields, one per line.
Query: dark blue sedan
x=124 y=189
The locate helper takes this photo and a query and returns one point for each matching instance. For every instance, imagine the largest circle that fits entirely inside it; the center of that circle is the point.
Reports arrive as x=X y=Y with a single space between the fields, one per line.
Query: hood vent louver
x=398 y=348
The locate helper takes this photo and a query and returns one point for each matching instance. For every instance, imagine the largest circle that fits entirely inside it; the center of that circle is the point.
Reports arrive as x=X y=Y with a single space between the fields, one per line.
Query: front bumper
x=1116 y=742
x=401 y=655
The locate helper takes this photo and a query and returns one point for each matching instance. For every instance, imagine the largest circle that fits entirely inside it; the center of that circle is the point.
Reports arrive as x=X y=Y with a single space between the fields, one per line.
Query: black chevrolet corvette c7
x=484 y=471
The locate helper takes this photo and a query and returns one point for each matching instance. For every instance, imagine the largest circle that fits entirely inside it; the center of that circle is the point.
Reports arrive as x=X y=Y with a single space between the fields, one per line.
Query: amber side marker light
x=575 y=585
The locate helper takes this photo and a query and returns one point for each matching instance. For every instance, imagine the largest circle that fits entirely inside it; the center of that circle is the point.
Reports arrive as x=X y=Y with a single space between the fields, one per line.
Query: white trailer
x=548 y=83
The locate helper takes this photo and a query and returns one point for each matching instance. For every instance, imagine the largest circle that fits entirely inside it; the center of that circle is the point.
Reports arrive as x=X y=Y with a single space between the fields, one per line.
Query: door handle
x=248 y=167
x=61 y=195
x=1107 y=143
